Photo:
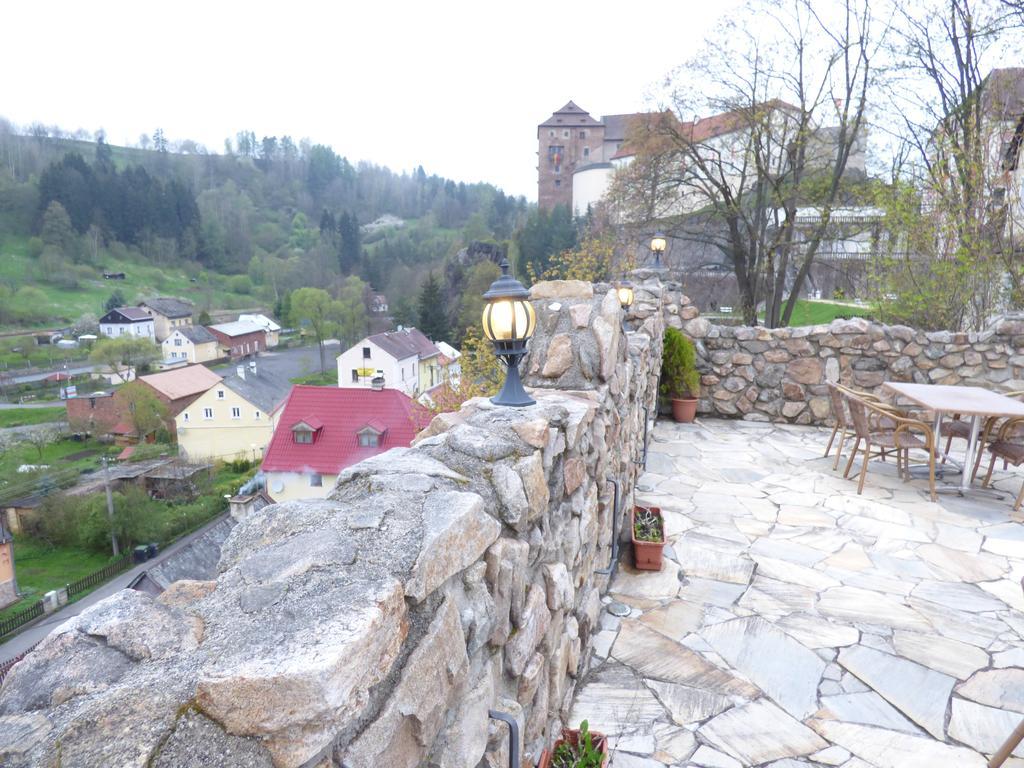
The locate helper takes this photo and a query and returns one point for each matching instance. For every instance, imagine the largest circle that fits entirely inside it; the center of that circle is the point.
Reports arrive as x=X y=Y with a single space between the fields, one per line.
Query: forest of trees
x=266 y=217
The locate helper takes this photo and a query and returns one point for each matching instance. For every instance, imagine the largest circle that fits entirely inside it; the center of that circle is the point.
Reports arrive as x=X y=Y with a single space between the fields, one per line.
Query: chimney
x=252 y=368
x=377 y=382
x=240 y=370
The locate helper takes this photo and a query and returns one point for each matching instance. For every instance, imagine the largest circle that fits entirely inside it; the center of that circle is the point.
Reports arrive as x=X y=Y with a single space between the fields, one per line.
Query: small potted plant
x=648 y=538
x=680 y=381
x=577 y=749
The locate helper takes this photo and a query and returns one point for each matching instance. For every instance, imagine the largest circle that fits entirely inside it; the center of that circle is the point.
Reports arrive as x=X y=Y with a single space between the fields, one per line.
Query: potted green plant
x=648 y=538
x=581 y=748
x=680 y=381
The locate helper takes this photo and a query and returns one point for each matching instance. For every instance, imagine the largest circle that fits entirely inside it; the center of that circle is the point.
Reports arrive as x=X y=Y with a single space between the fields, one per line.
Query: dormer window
x=304 y=432
x=370 y=435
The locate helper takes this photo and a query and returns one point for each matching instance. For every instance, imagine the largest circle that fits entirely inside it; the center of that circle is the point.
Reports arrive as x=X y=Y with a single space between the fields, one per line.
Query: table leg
x=972 y=447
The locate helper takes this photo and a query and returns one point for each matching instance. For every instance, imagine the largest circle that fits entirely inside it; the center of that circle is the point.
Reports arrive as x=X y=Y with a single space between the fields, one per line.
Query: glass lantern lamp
x=509 y=321
x=658 y=245
x=624 y=289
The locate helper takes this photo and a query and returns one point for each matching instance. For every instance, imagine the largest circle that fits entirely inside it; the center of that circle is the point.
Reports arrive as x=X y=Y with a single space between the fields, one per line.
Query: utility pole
x=110 y=507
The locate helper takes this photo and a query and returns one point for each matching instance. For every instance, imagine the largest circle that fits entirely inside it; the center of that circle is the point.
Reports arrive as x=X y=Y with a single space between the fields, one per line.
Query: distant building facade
x=406 y=358
x=127 y=321
x=168 y=314
x=192 y=344
x=239 y=338
x=570 y=141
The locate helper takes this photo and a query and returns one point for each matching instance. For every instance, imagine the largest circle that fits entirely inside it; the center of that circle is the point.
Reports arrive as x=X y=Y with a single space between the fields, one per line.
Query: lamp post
x=509 y=322
x=658 y=244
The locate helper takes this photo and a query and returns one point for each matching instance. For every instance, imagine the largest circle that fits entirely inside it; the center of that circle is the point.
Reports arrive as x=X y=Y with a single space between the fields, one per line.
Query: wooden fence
x=88 y=582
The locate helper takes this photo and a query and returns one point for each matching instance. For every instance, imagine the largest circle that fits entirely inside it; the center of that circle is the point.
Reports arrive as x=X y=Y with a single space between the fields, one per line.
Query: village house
x=191 y=343
x=168 y=314
x=239 y=338
x=97 y=413
x=272 y=329
x=127 y=321
x=234 y=419
x=406 y=358
x=179 y=388
x=322 y=430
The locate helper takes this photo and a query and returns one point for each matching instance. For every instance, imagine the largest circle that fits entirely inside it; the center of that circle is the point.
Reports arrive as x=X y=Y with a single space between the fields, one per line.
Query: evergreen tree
x=433 y=320
x=349 y=246
x=116 y=300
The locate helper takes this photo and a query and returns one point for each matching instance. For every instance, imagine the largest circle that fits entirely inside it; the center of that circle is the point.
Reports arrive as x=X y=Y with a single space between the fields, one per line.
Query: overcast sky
x=458 y=87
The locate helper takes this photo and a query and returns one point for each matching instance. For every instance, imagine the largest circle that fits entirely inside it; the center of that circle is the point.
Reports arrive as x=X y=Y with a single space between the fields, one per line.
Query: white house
x=395 y=355
x=127 y=321
x=273 y=329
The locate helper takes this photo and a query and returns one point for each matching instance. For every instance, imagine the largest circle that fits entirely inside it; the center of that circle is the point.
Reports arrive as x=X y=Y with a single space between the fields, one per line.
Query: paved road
x=74 y=370
x=295 y=362
x=33 y=404
x=29 y=637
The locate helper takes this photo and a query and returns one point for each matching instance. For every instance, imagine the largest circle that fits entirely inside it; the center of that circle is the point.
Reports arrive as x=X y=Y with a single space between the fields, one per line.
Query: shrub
x=679 y=376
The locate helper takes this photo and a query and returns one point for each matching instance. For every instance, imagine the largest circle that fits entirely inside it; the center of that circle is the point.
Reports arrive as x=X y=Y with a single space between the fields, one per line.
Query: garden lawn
x=39 y=568
x=821 y=312
x=22 y=417
x=329 y=379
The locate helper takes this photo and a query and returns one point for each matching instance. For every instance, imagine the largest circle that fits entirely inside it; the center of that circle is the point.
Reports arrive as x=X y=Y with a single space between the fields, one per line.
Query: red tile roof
x=343 y=412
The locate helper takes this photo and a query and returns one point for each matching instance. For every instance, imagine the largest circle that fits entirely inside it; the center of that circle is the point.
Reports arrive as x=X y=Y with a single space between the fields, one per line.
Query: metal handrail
x=615 y=531
x=513 y=735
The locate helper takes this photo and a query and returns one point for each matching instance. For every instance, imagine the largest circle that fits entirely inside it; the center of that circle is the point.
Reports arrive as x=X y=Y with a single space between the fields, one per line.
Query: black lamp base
x=512 y=393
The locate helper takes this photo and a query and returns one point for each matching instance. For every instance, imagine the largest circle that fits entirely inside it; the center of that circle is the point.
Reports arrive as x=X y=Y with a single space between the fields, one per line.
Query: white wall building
x=127 y=321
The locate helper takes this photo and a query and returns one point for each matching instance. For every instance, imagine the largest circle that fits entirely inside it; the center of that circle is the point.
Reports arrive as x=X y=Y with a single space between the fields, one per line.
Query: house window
x=551 y=134
x=207 y=413
x=316 y=481
x=355 y=376
x=220 y=394
x=366 y=353
x=583 y=134
x=185 y=415
x=369 y=439
x=558 y=168
x=236 y=413
x=558 y=182
x=257 y=414
x=403 y=374
x=177 y=342
x=303 y=436
x=586 y=151
x=565 y=134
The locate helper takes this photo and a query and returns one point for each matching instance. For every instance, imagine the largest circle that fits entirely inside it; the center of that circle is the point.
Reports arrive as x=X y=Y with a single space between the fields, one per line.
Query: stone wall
x=378 y=626
x=782 y=374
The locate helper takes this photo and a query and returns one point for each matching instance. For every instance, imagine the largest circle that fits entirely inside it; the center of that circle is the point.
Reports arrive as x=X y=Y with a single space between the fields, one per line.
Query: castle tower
x=567 y=140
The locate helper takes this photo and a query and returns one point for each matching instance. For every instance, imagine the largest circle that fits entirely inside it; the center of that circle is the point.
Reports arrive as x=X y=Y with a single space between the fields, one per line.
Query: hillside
x=226 y=230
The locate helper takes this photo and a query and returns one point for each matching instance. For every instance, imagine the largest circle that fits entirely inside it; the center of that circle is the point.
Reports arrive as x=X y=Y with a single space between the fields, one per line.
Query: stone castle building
x=576 y=150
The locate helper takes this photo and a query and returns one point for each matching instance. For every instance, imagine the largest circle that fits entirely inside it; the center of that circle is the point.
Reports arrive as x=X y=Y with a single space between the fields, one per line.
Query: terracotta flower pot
x=647 y=555
x=684 y=409
x=571 y=735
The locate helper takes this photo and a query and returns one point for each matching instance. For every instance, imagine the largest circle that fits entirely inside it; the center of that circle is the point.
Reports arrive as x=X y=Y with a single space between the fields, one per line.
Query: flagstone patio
x=798 y=624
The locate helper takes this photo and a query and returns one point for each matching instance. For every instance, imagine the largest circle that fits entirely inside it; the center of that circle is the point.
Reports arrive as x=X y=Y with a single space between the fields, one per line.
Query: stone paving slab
x=797 y=624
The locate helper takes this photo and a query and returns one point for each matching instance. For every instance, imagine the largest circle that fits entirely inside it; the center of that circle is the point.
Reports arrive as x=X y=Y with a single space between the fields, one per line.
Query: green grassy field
x=329 y=379
x=141 y=281
x=820 y=312
x=40 y=568
x=20 y=417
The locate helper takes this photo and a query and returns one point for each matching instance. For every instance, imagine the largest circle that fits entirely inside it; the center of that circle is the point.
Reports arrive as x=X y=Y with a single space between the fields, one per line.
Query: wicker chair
x=1007 y=447
x=843 y=425
x=871 y=425
x=960 y=429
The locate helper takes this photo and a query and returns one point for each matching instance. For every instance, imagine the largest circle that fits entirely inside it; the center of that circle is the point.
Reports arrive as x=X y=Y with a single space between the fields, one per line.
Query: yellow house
x=192 y=343
x=234 y=419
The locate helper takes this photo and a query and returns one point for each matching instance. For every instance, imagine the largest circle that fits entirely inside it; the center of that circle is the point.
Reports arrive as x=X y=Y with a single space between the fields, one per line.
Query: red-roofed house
x=322 y=430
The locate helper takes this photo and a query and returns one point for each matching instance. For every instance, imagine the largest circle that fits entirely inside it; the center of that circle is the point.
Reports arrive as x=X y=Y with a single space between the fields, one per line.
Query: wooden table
x=976 y=402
